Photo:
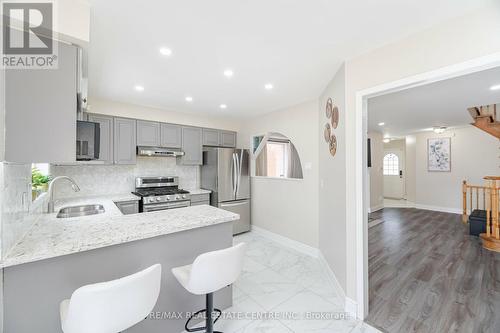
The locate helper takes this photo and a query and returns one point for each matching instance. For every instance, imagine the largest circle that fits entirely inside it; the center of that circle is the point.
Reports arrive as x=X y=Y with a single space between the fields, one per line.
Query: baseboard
x=351 y=307
x=336 y=284
x=375 y=208
x=439 y=209
x=297 y=246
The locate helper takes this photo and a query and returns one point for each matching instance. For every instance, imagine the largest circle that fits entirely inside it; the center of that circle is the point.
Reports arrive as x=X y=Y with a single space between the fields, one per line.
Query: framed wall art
x=439 y=155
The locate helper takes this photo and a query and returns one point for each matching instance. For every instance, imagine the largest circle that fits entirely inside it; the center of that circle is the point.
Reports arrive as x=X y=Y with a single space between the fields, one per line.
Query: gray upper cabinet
x=171 y=136
x=40 y=111
x=192 y=146
x=210 y=137
x=124 y=141
x=227 y=139
x=148 y=133
x=106 y=134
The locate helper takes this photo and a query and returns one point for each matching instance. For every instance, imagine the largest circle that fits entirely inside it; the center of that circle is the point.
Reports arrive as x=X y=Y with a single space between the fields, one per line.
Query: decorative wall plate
x=328 y=132
x=333 y=145
x=335 y=117
x=329 y=108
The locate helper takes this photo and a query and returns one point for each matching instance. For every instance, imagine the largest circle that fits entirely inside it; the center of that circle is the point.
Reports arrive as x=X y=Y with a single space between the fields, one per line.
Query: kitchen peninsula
x=59 y=255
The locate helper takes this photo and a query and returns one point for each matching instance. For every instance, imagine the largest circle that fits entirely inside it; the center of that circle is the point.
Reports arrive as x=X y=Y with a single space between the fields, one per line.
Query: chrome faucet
x=51 y=190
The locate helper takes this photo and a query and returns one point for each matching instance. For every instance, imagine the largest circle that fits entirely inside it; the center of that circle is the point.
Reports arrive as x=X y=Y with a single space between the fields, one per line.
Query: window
x=276 y=159
x=391 y=165
x=39 y=179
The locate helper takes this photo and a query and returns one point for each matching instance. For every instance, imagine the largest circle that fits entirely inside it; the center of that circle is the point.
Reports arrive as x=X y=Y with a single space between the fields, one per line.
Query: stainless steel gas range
x=160 y=193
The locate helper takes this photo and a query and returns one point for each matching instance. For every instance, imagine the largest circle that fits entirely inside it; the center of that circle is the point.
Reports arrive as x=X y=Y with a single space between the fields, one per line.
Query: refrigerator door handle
x=234 y=175
x=238 y=175
x=240 y=160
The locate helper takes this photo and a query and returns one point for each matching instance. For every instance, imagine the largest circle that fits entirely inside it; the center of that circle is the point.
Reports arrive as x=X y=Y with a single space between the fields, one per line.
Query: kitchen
x=174 y=156
x=122 y=190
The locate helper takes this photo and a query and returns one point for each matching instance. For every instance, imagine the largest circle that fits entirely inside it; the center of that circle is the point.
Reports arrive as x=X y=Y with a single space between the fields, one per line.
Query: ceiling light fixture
x=495 y=87
x=381 y=124
x=228 y=73
x=223 y=106
x=269 y=86
x=439 y=129
x=189 y=99
x=139 y=88
x=387 y=140
x=166 y=51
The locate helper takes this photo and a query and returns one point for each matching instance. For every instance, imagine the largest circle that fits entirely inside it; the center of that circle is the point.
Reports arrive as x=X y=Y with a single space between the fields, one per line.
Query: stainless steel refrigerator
x=226 y=172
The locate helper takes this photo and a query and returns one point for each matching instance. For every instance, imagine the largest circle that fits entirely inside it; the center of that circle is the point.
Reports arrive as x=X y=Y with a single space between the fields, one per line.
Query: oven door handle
x=157 y=207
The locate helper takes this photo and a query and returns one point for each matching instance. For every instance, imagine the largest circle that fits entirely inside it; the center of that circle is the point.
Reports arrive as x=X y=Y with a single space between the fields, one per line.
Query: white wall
x=376 y=172
x=451 y=42
x=148 y=113
x=331 y=210
x=288 y=207
x=474 y=154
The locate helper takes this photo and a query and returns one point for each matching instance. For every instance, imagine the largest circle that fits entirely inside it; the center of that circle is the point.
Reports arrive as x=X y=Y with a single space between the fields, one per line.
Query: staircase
x=491 y=238
x=485 y=118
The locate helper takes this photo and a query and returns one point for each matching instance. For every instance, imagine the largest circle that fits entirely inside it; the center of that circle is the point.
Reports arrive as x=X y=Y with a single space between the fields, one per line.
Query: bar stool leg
x=210 y=310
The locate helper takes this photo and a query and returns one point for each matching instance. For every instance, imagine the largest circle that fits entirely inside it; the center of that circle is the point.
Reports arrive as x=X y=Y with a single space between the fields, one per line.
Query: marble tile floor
x=284 y=291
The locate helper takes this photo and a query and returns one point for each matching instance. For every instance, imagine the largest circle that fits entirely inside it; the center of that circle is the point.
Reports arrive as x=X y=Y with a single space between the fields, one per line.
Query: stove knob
x=158 y=199
x=177 y=197
x=168 y=197
x=183 y=196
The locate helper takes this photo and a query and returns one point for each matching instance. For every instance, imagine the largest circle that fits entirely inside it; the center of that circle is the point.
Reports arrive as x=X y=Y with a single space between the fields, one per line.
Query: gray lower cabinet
x=192 y=146
x=124 y=145
x=171 y=135
x=106 y=134
x=128 y=207
x=200 y=199
x=40 y=111
x=210 y=137
x=148 y=133
x=227 y=139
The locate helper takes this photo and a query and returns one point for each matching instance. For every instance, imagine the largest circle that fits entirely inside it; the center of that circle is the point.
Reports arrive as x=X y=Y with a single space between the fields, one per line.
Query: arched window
x=391 y=165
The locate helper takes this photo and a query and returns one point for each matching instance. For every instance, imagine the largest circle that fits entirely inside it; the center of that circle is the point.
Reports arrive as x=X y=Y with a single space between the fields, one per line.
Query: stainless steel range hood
x=158 y=151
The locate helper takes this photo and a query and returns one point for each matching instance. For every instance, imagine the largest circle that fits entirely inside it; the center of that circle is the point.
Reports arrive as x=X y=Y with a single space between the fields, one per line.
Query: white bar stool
x=210 y=272
x=113 y=306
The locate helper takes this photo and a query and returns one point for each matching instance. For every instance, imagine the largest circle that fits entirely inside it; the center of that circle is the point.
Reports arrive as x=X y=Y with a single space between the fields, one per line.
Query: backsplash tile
x=113 y=179
x=18 y=212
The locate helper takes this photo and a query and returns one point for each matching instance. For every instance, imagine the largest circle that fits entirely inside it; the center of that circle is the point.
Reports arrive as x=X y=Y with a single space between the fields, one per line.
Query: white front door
x=394 y=181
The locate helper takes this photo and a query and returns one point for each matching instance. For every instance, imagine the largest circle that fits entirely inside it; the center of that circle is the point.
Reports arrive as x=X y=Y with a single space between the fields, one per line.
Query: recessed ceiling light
x=166 y=51
x=189 y=99
x=269 y=86
x=387 y=140
x=228 y=73
x=139 y=88
x=223 y=106
x=495 y=87
x=381 y=124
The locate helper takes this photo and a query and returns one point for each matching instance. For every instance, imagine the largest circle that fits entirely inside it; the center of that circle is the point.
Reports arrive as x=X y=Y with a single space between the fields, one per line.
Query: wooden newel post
x=464 y=193
x=494 y=209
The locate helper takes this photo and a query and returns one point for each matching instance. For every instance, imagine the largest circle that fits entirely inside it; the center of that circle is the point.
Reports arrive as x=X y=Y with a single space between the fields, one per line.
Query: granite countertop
x=198 y=191
x=52 y=237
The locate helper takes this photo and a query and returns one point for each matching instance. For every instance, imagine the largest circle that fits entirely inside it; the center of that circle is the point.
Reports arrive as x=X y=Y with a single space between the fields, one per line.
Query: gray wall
x=332 y=187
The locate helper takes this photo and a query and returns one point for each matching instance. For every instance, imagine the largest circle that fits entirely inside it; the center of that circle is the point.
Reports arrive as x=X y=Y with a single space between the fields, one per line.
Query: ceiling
x=443 y=103
x=296 y=45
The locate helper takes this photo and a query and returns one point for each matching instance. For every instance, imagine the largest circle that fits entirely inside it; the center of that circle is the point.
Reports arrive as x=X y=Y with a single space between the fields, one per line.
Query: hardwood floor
x=426 y=274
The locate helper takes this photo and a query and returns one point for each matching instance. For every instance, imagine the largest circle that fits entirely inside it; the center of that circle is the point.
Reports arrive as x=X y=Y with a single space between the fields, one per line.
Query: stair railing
x=469 y=204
